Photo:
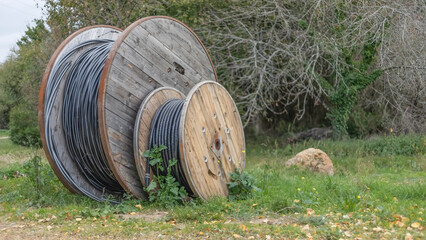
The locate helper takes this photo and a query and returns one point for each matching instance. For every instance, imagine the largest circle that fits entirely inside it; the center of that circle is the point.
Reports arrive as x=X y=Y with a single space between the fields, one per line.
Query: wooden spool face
x=151 y=53
x=143 y=124
x=211 y=139
x=85 y=34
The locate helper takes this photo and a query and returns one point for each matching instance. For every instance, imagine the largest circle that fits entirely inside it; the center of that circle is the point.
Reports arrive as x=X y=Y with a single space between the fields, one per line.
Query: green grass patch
x=4 y=133
x=378 y=189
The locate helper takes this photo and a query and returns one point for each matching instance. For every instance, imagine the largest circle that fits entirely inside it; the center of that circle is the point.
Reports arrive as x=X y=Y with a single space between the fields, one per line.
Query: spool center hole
x=217 y=144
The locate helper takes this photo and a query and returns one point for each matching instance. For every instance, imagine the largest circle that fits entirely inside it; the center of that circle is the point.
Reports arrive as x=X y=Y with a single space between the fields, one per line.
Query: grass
x=4 y=133
x=13 y=154
x=378 y=190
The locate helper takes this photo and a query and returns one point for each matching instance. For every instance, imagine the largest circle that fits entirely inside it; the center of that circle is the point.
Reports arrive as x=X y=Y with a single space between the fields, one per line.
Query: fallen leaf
x=78 y=219
x=243 y=227
x=408 y=236
x=415 y=225
x=377 y=229
x=305 y=228
x=139 y=206
x=236 y=235
x=132 y=213
x=310 y=212
x=399 y=223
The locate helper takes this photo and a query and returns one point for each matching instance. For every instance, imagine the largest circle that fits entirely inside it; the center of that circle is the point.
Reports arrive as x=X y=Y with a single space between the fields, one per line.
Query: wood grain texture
x=212 y=140
x=151 y=53
x=85 y=34
x=143 y=124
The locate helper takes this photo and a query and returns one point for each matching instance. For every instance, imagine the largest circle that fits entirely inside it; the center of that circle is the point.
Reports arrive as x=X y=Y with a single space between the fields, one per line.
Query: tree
x=280 y=55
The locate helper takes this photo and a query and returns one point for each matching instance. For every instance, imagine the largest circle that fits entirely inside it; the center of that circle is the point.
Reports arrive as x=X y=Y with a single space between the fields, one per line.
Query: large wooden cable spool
x=78 y=182
x=152 y=52
x=211 y=137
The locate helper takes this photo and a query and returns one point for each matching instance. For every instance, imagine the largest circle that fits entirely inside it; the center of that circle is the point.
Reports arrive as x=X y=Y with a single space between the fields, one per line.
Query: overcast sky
x=15 y=15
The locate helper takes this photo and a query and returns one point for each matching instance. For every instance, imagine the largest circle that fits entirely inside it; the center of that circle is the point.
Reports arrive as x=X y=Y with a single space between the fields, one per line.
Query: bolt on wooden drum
x=152 y=52
x=212 y=140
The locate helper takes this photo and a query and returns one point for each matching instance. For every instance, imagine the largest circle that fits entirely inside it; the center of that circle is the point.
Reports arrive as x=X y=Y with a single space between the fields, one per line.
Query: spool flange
x=211 y=138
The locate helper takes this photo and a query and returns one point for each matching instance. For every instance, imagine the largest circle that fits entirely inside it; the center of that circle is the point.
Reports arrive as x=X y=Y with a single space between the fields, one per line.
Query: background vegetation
x=356 y=66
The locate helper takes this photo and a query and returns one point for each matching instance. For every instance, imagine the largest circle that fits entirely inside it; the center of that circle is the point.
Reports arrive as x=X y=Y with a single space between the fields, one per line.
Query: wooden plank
x=192 y=64
x=176 y=36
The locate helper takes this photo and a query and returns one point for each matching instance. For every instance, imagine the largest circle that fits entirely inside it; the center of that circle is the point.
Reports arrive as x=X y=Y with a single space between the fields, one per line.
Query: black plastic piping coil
x=79 y=115
x=165 y=131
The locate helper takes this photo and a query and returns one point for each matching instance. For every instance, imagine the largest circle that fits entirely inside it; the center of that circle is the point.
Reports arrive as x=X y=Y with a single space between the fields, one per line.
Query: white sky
x=15 y=16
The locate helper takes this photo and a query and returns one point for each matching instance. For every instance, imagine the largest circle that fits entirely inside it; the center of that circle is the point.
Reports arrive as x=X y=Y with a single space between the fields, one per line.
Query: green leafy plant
x=39 y=176
x=164 y=189
x=242 y=185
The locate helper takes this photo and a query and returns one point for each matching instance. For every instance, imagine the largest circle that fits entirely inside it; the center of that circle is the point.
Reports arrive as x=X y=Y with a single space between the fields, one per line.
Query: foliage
x=242 y=185
x=164 y=189
x=23 y=126
x=20 y=77
x=281 y=60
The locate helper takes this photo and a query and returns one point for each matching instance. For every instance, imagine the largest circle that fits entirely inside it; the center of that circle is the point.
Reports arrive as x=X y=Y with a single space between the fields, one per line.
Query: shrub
x=23 y=126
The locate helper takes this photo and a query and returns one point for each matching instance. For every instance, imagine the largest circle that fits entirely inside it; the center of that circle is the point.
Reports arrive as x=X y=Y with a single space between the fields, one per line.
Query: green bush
x=242 y=185
x=23 y=126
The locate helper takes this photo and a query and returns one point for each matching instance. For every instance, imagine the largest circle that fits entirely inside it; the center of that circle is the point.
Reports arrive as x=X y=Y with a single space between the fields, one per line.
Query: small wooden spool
x=79 y=181
x=143 y=124
x=211 y=138
x=151 y=53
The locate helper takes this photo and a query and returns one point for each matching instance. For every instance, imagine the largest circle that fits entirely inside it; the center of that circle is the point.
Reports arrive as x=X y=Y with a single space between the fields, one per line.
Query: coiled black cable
x=79 y=116
x=165 y=131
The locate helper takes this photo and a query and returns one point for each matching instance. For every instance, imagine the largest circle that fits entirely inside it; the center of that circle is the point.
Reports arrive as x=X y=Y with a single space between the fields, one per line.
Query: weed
x=164 y=189
x=241 y=185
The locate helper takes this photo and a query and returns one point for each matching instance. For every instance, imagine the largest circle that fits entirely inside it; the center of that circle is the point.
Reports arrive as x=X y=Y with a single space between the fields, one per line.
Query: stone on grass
x=312 y=159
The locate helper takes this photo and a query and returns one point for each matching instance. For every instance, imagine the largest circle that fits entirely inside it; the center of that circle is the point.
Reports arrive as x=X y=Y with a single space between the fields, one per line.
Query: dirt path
x=4 y=138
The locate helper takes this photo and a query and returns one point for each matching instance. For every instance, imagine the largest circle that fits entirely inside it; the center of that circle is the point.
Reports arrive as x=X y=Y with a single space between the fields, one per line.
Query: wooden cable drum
x=65 y=169
x=211 y=137
x=143 y=124
x=152 y=52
